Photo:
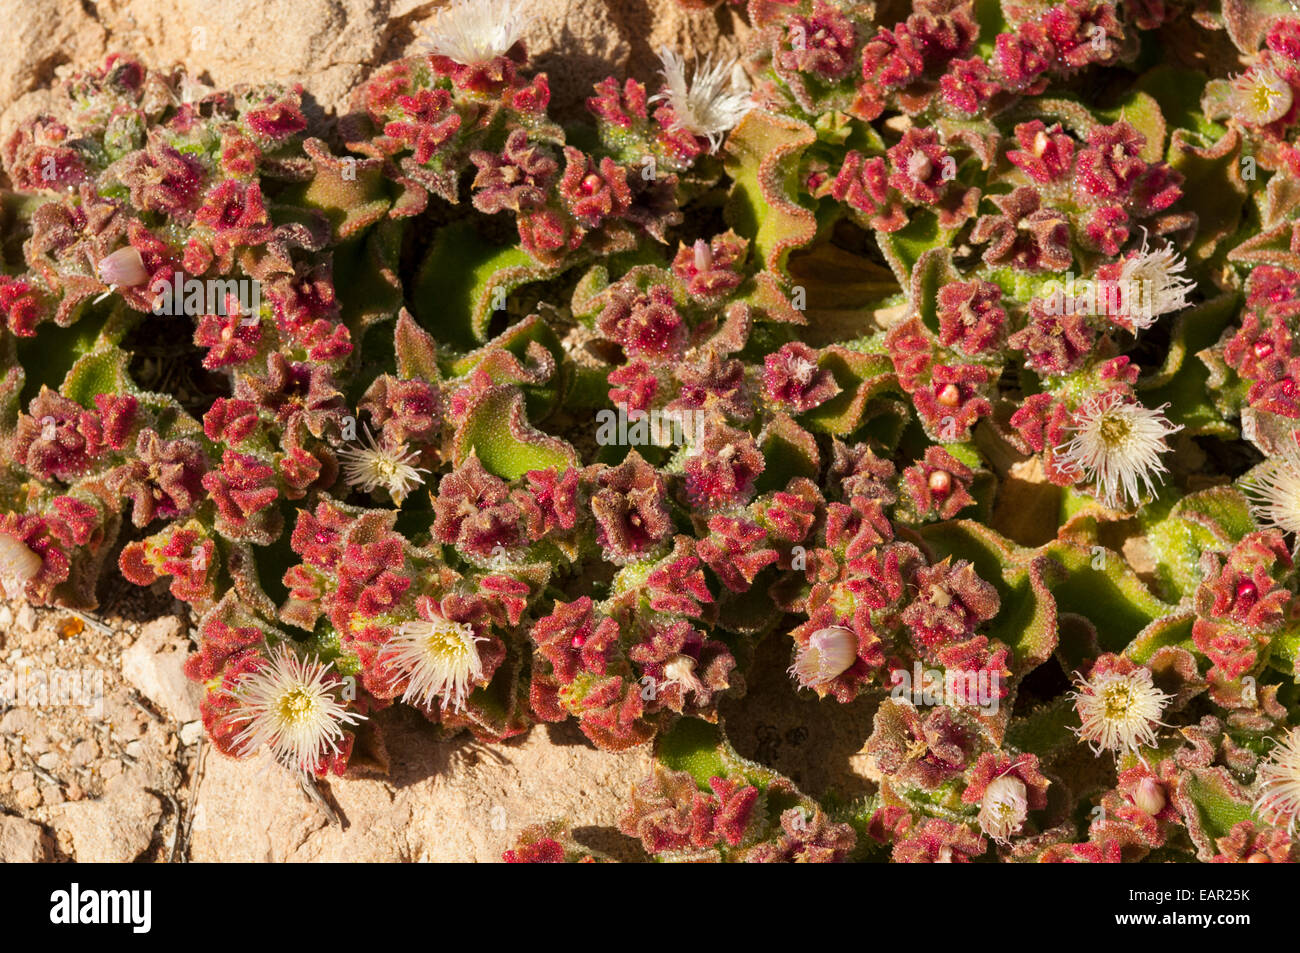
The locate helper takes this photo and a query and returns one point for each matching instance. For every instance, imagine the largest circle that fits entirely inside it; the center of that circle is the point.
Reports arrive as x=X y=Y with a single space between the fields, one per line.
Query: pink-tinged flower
x=163 y=479
x=1084 y=31
x=236 y=214
x=278 y=119
x=646 y=324
x=58 y=438
x=230 y=420
x=722 y=467
x=1232 y=651
x=623 y=106
x=1057 y=339
x=793 y=379
x=371 y=578
x=968 y=86
x=219 y=644
x=1046 y=154
x=918 y=751
x=22 y=305
x=408 y=411
x=1246 y=844
x=806 y=840
x=163 y=179
x=714 y=384
x=823 y=643
x=475 y=512
x=711 y=269
x=1242 y=588
x=298 y=395
x=230 y=339
x=1023 y=234
x=863 y=185
x=119 y=414
x=633 y=386
x=920 y=167
x=734 y=550
x=791 y=513
x=551 y=503
x=629 y=506
x=821 y=43
x=937 y=841
x=953 y=400
x=514 y=179
x=859 y=472
x=943 y=29
x=1106 y=229
x=543 y=850
x=689 y=670
x=244 y=491
x=911 y=351
x=939 y=484
x=677 y=585
x=892 y=59
x=1021 y=58
x=32 y=561
x=573 y=640
x=1111 y=164
x=318 y=537
x=667 y=812
x=855 y=529
x=1006 y=788
x=593 y=191
x=951 y=602
x=970 y=316
x=428 y=121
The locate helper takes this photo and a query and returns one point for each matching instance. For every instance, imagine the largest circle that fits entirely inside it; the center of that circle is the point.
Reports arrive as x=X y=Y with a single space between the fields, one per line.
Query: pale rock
x=154 y=665
x=114 y=828
x=22 y=842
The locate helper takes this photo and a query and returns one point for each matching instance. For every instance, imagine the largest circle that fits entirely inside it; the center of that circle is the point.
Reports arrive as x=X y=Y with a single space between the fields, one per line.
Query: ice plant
x=711 y=103
x=1119 y=711
x=382 y=464
x=1118 y=443
x=472 y=32
x=291 y=706
x=1279 y=783
x=439 y=658
x=822 y=358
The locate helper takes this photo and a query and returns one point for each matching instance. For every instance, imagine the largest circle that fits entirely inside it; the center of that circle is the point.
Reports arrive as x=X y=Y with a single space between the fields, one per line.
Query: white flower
x=1119 y=712
x=1003 y=808
x=713 y=102
x=19 y=565
x=1261 y=96
x=290 y=706
x=1153 y=284
x=379 y=463
x=438 y=658
x=829 y=653
x=680 y=671
x=1279 y=783
x=1117 y=443
x=476 y=31
x=1275 y=490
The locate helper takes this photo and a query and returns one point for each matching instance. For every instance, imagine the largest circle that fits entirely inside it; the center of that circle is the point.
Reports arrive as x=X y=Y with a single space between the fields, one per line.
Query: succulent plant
x=513 y=422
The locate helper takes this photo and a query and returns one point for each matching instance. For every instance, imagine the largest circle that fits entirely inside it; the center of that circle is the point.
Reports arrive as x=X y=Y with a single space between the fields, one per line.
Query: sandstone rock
x=22 y=842
x=154 y=665
x=443 y=800
x=114 y=828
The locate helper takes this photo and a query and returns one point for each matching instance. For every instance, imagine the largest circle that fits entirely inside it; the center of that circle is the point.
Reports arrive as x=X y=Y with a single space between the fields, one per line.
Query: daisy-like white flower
x=379 y=463
x=290 y=706
x=1117 y=443
x=829 y=653
x=1119 y=712
x=1279 y=783
x=1154 y=284
x=439 y=657
x=1274 y=489
x=476 y=31
x=1003 y=808
x=712 y=103
x=1261 y=96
